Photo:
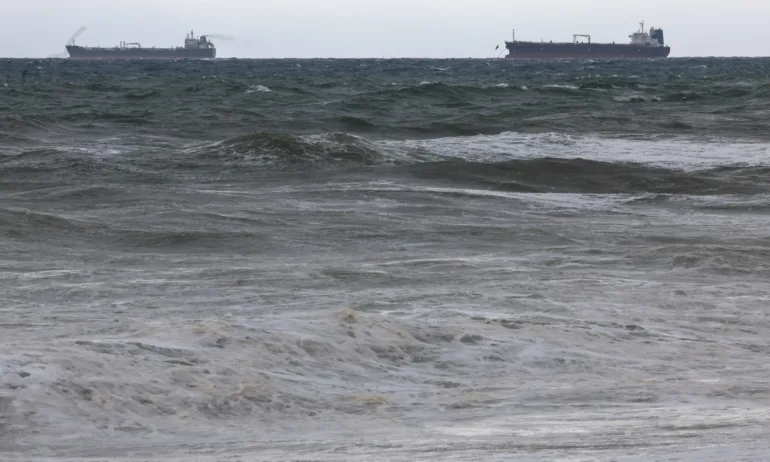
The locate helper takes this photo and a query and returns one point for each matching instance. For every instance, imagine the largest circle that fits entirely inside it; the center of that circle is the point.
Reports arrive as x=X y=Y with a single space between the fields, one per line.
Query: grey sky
x=395 y=28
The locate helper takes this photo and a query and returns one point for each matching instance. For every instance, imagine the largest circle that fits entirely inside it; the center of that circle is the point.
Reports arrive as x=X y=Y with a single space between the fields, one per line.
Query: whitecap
x=565 y=87
x=258 y=88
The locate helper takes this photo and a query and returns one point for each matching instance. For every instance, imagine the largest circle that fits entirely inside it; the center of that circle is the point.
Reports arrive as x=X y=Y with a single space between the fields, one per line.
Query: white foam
x=258 y=89
x=370 y=326
x=562 y=86
x=681 y=152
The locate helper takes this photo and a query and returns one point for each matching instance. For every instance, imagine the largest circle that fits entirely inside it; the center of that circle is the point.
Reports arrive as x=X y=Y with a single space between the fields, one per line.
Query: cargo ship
x=643 y=45
x=194 y=48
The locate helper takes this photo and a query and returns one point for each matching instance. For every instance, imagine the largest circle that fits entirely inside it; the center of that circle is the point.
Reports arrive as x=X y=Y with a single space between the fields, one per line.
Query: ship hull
x=541 y=50
x=163 y=54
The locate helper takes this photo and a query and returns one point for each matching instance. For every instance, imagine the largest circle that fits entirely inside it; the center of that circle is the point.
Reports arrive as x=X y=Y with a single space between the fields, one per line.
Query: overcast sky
x=386 y=29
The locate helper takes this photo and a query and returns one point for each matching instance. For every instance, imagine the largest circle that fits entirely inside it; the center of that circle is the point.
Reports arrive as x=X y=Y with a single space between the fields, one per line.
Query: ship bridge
x=654 y=38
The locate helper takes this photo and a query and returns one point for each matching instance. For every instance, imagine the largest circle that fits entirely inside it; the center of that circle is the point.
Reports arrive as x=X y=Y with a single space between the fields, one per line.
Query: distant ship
x=194 y=48
x=643 y=45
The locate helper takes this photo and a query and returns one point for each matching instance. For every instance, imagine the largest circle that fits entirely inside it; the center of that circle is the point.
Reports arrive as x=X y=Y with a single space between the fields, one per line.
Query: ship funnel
x=658 y=34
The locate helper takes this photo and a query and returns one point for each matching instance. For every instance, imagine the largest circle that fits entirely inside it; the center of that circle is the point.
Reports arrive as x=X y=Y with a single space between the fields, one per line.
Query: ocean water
x=375 y=260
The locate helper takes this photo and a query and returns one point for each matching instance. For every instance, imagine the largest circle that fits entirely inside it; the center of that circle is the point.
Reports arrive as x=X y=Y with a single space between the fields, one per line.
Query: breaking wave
x=277 y=150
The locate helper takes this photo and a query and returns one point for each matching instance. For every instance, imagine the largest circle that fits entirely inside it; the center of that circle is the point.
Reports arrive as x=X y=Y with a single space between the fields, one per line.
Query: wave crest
x=280 y=150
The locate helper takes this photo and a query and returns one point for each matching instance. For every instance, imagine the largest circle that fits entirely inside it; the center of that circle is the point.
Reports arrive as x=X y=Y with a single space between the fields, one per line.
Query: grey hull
x=78 y=52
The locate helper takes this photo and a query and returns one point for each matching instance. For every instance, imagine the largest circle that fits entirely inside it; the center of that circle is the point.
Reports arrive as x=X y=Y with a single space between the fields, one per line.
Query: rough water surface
x=385 y=260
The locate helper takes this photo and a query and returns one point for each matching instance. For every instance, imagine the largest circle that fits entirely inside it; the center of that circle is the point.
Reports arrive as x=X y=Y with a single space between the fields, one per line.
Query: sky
x=387 y=29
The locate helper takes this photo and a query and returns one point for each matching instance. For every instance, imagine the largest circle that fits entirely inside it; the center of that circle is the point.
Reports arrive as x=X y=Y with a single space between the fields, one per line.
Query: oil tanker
x=643 y=45
x=194 y=48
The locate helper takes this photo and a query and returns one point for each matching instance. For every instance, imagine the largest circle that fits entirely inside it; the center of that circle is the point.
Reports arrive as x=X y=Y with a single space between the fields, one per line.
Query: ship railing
x=597 y=45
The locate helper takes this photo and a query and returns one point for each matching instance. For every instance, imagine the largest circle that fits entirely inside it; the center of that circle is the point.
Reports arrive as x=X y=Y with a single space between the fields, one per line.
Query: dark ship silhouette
x=194 y=48
x=643 y=45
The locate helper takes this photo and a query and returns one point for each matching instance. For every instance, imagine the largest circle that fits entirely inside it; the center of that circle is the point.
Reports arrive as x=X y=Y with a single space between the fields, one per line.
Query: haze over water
x=384 y=260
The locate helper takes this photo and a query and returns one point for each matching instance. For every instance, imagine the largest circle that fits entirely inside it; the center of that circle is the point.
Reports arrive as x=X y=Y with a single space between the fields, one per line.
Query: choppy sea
x=385 y=260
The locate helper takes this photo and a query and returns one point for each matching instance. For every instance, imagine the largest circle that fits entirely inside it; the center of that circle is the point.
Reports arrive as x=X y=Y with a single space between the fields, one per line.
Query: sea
x=385 y=260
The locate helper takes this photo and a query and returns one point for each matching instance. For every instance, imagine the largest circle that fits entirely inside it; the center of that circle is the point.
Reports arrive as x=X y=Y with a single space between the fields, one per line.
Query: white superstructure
x=646 y=39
